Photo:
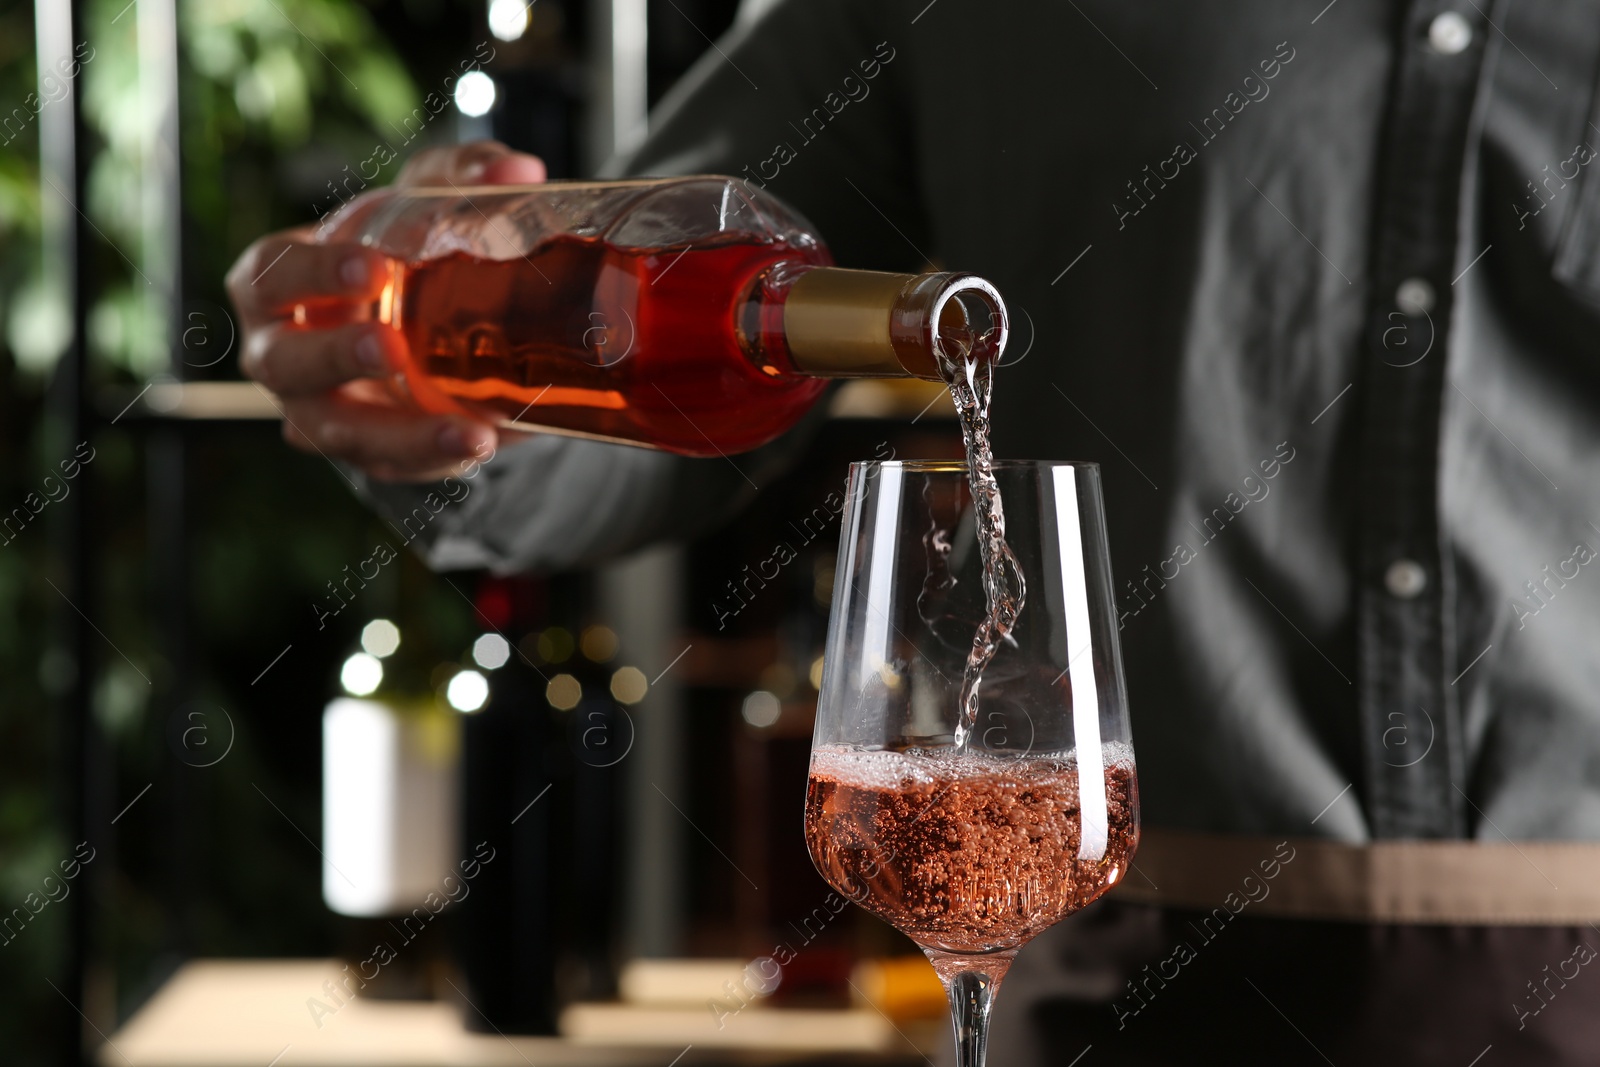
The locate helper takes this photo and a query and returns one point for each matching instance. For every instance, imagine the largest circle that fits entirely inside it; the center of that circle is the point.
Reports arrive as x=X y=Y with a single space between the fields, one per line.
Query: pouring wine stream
x=967 y=352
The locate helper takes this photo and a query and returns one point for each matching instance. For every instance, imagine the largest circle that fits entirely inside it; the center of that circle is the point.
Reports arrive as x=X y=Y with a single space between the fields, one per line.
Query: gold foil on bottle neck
x=865 y=324
x=838 y=324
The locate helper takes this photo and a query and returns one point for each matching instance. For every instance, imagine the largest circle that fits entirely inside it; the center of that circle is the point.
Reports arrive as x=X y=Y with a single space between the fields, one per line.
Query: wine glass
x=971 y=847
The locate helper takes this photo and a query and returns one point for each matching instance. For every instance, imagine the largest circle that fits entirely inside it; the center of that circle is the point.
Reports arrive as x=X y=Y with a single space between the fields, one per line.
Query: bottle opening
x=972 y=323
x=950 y=318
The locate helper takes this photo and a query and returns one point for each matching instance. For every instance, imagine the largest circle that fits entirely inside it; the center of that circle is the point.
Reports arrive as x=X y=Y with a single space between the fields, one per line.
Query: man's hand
x=328 y=377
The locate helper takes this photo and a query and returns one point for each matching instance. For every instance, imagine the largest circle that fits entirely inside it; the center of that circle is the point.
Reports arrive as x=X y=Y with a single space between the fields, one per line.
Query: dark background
x=199 y=865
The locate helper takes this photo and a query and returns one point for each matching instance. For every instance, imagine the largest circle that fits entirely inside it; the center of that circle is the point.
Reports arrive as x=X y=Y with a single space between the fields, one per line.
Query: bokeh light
x=361 y=674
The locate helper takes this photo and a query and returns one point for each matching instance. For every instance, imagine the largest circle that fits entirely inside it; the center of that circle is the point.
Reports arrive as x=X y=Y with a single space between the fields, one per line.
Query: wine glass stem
x=971 y=990
x=971 y=996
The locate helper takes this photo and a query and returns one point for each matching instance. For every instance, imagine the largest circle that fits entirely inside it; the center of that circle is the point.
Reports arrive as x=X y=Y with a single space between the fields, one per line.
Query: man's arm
x=551 y=503
x=811 y=102
x=805 y=101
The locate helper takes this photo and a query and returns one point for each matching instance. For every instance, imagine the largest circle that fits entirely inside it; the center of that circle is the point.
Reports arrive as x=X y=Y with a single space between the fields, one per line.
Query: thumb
x=480 y=162
x=514 y=169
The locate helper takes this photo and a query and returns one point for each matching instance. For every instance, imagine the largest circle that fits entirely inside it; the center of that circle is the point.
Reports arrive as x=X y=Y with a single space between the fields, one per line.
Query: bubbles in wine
x=966 y=852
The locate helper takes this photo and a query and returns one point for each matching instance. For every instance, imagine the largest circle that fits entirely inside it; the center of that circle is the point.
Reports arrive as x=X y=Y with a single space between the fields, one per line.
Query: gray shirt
x=1318 y=290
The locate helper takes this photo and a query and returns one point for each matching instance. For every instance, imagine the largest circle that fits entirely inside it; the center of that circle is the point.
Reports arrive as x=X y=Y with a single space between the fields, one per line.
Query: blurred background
x=212 y=708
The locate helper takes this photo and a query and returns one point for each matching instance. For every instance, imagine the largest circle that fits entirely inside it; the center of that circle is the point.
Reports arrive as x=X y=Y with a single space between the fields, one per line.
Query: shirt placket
x=1405 y=701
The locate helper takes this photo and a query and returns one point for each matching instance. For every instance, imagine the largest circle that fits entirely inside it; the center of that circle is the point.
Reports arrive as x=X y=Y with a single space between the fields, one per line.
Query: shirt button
x=1405 y=578
x=1414 y=296
x=1449 y=34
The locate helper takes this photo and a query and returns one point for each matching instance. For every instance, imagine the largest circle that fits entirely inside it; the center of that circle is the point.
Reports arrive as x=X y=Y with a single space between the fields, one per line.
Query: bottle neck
x=828 y=322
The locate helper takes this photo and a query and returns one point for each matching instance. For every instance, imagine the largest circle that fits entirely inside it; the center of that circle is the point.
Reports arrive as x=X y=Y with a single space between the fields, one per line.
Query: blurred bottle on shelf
x=390 y=837
x=544 y=738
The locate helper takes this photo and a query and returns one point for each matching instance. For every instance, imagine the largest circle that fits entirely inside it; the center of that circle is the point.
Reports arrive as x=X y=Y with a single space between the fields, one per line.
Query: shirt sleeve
x=810 y=101
x=551 y=503
x=803 y=101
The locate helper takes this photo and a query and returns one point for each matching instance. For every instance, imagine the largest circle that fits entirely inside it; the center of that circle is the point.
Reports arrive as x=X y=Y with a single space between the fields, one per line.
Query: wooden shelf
x=251 y=1013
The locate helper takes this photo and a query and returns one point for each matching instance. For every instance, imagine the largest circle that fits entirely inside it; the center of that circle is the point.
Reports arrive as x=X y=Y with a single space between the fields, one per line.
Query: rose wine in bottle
x=698 y=315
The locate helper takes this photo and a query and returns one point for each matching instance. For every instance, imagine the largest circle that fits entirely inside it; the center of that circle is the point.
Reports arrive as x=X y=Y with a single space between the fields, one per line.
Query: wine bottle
x=698 y=315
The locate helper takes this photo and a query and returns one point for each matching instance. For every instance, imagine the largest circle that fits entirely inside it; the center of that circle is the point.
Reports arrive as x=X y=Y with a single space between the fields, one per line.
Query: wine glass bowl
x=972 y=836
x=968 y=854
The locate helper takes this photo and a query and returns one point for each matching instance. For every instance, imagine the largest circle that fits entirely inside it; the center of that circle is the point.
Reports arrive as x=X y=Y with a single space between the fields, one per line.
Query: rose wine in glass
x=972 y=810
